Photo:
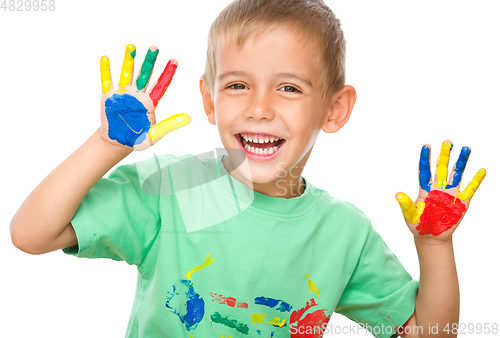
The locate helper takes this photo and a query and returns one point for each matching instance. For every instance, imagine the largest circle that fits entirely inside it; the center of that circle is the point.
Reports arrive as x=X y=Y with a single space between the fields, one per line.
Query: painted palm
x=128 y=114
x=440 y=205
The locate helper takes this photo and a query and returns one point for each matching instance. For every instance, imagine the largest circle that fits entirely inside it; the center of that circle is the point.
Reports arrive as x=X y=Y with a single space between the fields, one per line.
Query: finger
x=459 y=168
x=473 y=185
x=127 y=68
x=147 y=69
x=171 y=123
x=106 y=83
x=424 y=168
x=410 y=211
x=442 y=164
x=163 y=82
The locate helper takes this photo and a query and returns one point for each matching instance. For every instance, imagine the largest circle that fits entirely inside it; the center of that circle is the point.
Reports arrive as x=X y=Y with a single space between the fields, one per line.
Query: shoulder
x=147 y=173
x=341 y=215
x=182 y=164
x=336 y=206
x=157 y=172
x=157 y=163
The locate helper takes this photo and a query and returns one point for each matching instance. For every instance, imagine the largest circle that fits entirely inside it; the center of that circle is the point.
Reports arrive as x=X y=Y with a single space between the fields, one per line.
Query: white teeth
x=264 y=140
x=261 y=151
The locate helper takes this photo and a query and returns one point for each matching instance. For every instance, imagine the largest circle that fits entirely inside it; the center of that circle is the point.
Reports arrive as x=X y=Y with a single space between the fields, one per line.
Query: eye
x=290 y=89
x=237 y=86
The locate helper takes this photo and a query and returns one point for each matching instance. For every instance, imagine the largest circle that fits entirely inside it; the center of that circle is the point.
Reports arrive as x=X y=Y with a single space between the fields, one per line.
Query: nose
x=260 y=107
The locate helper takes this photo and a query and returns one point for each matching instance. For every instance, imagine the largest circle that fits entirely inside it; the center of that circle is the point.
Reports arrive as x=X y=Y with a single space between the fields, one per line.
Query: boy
x=242 y=245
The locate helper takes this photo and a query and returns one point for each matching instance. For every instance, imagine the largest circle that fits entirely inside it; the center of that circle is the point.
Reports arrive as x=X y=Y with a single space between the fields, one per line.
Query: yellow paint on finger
x=257 y=317
x=473 y=185
x=410 y=212
x=208 y=260
x=277 y=321
x=171 y=123
x=105 y=75
x=127 y=68
x=442 y=165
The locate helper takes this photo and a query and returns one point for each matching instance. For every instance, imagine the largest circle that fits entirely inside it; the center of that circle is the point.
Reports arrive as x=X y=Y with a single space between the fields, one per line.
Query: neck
x=287 y=185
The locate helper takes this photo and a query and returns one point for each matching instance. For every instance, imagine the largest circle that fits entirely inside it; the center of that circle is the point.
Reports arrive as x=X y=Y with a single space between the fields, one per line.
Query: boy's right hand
x=128 y=114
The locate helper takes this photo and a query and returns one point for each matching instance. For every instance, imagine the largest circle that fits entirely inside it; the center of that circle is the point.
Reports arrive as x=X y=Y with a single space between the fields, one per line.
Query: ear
x=208 y=102
x=339 y=109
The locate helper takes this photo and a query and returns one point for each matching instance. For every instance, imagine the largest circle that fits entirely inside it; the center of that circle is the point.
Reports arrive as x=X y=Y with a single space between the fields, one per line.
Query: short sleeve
x=380 y=294
x=117 y=219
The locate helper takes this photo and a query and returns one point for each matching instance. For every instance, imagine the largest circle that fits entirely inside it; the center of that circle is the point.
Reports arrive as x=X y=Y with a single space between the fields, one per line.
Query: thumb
x=159 y=130
x=410 y=211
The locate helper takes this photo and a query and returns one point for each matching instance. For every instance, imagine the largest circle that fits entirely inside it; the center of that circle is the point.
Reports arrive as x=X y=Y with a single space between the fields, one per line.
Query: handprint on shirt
x=282 y=321
x=440 y=205
x=189 y=305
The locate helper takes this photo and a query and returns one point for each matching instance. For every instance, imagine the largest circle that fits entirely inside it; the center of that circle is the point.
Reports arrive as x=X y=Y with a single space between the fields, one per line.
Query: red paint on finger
x=441 y=213
x=163 y=82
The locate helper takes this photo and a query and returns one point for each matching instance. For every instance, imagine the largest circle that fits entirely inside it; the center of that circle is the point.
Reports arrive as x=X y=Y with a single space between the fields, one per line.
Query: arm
x=438 y=298
x=43 y=222
x=432 y=219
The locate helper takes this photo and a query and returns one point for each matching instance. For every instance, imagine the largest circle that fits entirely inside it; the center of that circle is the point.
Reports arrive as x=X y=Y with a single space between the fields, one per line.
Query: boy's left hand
x=440 y=205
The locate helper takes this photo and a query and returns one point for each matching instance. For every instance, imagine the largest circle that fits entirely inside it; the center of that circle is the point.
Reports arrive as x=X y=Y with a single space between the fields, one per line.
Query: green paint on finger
x=133 y=54
x=147 y=69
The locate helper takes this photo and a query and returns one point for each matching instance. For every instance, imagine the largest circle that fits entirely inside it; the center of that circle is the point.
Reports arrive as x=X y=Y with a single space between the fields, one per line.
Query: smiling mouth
x=260 y=146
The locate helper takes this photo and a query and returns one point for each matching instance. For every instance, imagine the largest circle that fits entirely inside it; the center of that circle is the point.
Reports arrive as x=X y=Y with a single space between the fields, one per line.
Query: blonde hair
x=311 y=20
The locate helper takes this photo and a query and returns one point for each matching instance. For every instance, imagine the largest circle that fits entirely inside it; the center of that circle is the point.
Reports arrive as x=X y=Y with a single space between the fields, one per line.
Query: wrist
x=116 y=151
x=427 y=241
x=435 y=257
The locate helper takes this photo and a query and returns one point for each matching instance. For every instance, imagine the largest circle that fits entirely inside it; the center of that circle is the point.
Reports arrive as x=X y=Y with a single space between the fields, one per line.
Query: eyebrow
x=279 y=75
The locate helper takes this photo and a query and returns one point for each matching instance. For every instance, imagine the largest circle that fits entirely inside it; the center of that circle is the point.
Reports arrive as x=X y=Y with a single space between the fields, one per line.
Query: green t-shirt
x=217 y=259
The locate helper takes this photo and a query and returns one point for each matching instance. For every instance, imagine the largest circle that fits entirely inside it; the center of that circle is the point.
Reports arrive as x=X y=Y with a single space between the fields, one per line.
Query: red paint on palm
x=441 y=212
x=163 y=82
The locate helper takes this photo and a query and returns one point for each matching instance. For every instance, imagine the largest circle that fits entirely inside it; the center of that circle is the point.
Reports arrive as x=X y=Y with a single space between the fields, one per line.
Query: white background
x=424 y=72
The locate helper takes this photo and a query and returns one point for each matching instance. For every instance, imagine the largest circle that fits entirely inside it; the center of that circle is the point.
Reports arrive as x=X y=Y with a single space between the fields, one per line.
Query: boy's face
x=270 y=87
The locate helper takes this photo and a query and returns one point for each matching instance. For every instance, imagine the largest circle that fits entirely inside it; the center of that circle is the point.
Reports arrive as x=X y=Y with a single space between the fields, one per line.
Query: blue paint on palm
x=127 y=118
x=424 y=169
x=460 y=167
x=186 y=304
